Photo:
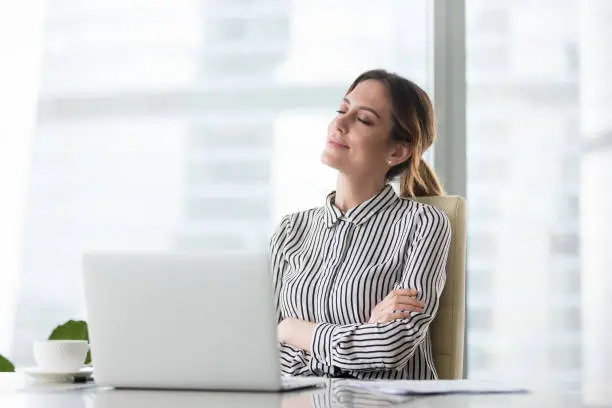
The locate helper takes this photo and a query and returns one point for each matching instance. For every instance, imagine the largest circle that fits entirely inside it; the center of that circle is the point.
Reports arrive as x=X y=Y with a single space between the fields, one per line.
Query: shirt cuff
x=321 y=346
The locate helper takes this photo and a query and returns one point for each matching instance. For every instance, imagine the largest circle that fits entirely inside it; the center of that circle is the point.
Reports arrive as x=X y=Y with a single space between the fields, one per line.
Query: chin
x=330 y=161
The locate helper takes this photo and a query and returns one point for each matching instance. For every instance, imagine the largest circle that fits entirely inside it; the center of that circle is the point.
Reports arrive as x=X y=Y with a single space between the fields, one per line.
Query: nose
x=341 y=123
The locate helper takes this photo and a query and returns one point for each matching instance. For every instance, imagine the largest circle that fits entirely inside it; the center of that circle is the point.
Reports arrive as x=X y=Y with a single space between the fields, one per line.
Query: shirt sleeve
x=278 y=262
x=293 y=361
x=390 y=346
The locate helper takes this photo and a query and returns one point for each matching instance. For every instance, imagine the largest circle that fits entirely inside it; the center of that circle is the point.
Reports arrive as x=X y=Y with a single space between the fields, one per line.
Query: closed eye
x=364 y=121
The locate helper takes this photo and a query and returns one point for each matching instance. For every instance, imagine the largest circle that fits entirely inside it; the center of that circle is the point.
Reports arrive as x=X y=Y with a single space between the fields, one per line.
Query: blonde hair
x=420 y=182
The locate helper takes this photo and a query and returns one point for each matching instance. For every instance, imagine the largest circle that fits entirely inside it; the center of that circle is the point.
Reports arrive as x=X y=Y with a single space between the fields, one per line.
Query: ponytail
x=419 y=180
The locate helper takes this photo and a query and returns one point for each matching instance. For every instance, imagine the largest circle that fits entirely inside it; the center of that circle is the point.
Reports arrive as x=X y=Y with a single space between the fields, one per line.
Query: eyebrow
x=363 y=108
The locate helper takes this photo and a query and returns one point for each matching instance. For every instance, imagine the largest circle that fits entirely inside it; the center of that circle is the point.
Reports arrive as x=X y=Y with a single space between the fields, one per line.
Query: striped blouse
x=333 y=269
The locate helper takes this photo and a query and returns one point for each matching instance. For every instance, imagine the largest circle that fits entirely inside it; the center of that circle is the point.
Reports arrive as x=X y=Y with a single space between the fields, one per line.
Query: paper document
x=436 y=387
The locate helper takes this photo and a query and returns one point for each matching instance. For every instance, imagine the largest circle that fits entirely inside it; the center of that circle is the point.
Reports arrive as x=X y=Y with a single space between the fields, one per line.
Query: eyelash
x=365 y=122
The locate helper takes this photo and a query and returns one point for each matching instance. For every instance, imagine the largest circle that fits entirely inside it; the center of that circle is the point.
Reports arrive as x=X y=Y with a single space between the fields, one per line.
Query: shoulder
x=310 y=215
x=426 y=217
x=300 y=220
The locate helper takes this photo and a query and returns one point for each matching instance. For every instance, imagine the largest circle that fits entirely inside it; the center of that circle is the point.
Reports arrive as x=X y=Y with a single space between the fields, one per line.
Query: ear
x=400 y=153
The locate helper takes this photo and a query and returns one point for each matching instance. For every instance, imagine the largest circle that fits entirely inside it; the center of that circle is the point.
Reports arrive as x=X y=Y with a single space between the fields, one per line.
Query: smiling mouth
x=336 y=144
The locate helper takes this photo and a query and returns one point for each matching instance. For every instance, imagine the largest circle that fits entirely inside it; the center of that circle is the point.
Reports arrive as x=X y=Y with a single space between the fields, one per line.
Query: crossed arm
x=397 y=305
x=389 y=339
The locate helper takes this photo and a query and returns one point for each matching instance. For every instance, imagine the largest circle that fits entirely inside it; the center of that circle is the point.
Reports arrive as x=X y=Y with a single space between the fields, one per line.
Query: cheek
x=331 y=126
x=370 y=149
x=367 y=142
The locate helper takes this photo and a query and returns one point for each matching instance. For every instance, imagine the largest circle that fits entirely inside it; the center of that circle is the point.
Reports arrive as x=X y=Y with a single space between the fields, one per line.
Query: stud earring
x=389 y=162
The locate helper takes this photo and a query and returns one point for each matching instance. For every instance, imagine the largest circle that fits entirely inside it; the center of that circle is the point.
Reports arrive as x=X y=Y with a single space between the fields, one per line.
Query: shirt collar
x=360 y=214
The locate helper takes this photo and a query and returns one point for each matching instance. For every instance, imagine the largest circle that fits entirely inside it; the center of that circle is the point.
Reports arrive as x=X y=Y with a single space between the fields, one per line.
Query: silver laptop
x=184 y=321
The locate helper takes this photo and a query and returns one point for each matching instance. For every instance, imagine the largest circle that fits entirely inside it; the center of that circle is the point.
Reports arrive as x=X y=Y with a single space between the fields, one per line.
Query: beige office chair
x=448 y=328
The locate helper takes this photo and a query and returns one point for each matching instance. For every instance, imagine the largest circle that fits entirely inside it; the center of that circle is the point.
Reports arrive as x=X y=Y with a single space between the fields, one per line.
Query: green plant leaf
x=72 y=330
x=5 y=365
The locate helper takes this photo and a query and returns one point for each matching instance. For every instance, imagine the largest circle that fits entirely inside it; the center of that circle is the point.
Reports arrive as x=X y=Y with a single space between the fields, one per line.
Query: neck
x=351 y=193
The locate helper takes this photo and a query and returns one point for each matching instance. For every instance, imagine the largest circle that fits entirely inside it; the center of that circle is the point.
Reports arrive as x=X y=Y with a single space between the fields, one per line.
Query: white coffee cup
x=60 y=355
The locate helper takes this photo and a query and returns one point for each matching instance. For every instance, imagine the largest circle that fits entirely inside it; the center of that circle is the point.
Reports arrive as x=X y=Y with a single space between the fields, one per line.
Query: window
x=481 y=319
x=523 y=87
x=187 y=125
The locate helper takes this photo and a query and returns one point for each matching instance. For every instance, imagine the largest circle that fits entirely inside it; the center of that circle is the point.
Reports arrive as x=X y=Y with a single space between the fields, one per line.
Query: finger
x=407 y=300
x=412 y=308
x=395 y=293
x=393 y=310
x=390 y=301
x=410 y=305
x=399 y=314
x=405 y=292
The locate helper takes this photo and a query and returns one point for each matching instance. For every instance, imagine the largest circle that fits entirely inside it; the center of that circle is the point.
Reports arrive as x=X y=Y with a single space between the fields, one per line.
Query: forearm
x=351 y=347
x=368 y=347
x=296 y=361
x=296 y=333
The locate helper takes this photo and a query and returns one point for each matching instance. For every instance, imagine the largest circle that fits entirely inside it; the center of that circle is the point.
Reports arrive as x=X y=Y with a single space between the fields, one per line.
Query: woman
x=357 y=281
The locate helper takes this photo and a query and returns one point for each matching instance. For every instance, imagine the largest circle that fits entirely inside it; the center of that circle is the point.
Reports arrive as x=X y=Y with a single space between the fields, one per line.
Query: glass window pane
x=537 y=87
x=188 y=124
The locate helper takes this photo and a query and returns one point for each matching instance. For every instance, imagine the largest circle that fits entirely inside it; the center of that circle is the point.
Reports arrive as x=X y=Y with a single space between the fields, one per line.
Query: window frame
x=447 y=68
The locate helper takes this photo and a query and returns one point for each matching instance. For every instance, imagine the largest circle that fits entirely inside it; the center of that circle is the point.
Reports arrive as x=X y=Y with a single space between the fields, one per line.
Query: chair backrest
x=448 y=328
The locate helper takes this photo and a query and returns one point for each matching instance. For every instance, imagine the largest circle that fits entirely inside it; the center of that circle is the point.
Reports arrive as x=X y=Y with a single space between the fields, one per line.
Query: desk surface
x=17 y=392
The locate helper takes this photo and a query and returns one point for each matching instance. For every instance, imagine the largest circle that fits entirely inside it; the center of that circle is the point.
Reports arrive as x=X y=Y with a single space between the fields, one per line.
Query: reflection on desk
x=337 y=394
x=334 y=396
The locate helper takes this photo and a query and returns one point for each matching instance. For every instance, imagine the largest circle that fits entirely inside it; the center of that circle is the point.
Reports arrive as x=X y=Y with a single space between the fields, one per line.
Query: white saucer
x=38 y=373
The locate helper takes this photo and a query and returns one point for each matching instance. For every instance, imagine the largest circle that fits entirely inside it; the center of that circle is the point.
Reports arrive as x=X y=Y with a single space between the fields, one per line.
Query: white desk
x=18 y=392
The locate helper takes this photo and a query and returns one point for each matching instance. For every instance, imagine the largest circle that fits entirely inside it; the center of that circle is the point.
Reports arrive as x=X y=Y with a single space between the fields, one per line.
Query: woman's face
x=358 y=142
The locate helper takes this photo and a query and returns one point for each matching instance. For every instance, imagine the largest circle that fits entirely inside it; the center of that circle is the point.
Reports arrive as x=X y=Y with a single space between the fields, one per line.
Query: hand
x=397 y=305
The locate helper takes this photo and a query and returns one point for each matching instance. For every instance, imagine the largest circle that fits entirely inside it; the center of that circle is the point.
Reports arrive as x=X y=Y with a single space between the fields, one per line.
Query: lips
x=336 y=144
